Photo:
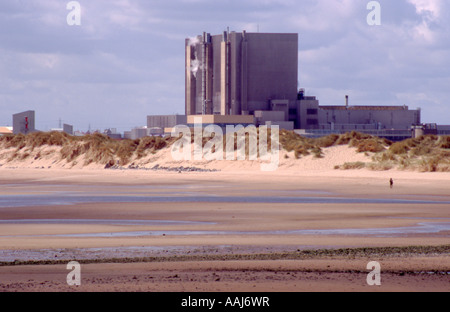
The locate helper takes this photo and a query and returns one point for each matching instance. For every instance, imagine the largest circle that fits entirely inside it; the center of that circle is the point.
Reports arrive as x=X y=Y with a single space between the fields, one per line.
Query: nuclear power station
x=255 y=74
x=241 y=73
x=252 y=78
x=242 y=78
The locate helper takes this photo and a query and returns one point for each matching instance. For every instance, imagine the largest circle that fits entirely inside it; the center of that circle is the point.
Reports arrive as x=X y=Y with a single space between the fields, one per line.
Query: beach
x=225 y=230
x=224 y=150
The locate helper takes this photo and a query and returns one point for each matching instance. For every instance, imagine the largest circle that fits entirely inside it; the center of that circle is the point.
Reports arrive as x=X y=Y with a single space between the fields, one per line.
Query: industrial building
x=348 y=118
x=112 y=133
x=391 y=122
x=65 y=128
x=251 y=78
x=163 y=122
x=238 y=78
x=5 y=130
x=255 y=74
x=443 y=129
x=241 y=73
x=24 y=122
x=140 y=132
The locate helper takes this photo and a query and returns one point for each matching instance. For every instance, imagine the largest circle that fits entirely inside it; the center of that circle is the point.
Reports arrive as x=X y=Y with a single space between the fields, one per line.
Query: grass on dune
x=425 y=153
x=303 y=146
x=95 y=147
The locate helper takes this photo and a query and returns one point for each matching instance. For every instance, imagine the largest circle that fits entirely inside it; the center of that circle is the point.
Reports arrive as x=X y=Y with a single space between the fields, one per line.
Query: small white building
x=6 y=130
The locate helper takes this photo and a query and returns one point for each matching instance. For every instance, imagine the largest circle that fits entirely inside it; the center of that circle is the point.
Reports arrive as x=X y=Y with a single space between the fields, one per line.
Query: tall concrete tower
x=24 y=122
x=240 y=73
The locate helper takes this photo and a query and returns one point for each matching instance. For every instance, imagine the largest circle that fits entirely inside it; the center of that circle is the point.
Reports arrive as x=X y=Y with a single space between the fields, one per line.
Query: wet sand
x=323 y=275
x=169 y=230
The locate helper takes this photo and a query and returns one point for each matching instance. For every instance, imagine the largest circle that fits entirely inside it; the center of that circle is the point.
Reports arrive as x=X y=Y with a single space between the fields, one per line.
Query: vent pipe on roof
x=346 y=101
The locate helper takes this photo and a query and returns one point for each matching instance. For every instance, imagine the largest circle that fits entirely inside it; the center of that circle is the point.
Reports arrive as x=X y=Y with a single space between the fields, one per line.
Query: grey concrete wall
x=216 y=65
x=286 y=125
x=68 y=129
x=261 y=67
x=165 y=121
x=190 y=84
x=387 y=118
x=348 y=127
x=261 y=117
x=272 y=62
x=305 y=120
x=280 y=106
x=24 y=122
x=127 y=135
x=138 y=133
x=443 y=127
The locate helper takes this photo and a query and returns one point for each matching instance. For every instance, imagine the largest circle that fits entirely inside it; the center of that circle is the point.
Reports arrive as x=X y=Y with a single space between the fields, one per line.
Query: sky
x=126 y=59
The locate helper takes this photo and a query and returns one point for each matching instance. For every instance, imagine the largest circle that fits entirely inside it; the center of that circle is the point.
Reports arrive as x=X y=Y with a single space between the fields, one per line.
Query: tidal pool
x=419 y=228
x=71 y=199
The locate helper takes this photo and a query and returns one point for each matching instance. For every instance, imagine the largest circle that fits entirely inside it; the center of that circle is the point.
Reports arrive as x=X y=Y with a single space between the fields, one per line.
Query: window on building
x=311 y=122
x=311 y=111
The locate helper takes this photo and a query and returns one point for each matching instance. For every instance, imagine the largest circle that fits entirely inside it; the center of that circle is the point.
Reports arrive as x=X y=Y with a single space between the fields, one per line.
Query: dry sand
x=308 y=177
x=48 y=157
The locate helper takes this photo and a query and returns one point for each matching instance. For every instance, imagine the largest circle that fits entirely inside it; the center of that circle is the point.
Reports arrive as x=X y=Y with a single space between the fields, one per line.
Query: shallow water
x=102 y=222
x=379 y=232
x=22 y=195
x=419 y=228
x=76 y=198
x=49 y=195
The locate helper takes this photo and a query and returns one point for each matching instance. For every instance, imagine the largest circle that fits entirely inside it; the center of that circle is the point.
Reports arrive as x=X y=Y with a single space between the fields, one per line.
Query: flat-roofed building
x=311 y=115
x=24 y=122
x=240 y=73
x=165 y=121
x=66 y=128
x=6 y=130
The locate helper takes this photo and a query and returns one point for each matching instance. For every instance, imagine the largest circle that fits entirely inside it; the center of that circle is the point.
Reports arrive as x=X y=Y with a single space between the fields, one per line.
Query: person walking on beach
x=391 y=183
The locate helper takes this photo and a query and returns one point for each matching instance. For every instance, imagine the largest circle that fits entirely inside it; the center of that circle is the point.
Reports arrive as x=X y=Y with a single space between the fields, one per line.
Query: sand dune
x=49 y=157
x=290 y=152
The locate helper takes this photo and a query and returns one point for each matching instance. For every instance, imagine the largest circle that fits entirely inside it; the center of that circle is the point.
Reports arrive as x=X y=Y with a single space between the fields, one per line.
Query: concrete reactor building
x=252 y=78
x=241 y=73
x=24 y=122
x=392 y=122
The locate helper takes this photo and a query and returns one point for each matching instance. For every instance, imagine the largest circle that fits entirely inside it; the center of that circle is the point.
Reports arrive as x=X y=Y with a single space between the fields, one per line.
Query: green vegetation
x=35 y=139
x=426 y=153
x=352 y=165
x=302 y=146
x=96 y=148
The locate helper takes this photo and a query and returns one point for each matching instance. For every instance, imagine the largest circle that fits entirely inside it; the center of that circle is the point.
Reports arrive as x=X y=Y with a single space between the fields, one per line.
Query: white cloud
x=430 y=12
x=431 y=9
